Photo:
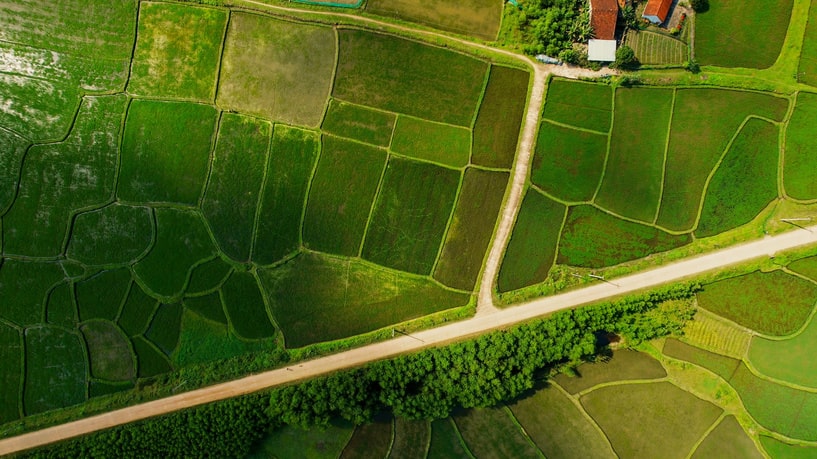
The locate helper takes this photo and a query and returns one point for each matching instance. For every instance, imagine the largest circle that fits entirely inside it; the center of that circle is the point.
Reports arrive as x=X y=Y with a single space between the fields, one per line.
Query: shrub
x=625 y=58
x=700 y=6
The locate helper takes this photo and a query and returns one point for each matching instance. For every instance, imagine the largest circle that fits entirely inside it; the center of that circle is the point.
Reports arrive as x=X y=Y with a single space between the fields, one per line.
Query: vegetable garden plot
x=59 y=179
x=100 y=296
x=594 y=239
x=440 y=143
x=23 y=289
x=137 y=311
x=703 y=123
x=182 y=241
x=165 y=152
x=568 y=163
x=289 y=171
x=11 y=354
x=472 y=226
x=56 y=369
x=490 y=432
x=341 y=196
x=245 y=307
x=655 y=48
x=477 y=18
x=410 y=215
x=635 y=166
x=318 y=298
x=745 y=182
x=116 y=234
x=532 y=247
x=359 y=123
x=800 y=162
x=237 y=173
x=408 y=77
x=109 y=351
x=583 y=105
x=278 y=70
x=178 y=48
x=496 y=130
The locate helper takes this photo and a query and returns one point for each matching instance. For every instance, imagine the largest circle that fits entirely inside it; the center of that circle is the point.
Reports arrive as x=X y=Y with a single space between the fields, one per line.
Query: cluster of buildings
x=603 y=19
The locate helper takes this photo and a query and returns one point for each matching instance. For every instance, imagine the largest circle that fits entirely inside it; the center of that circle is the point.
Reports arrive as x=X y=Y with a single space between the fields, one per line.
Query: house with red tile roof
x=603 y=17
x=656 y=11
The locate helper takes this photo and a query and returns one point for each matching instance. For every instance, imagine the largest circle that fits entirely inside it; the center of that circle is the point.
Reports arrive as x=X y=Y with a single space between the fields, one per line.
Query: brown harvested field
x=477 y=18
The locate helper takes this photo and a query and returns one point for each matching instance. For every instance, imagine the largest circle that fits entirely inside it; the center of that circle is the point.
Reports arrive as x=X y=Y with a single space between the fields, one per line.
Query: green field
x=370 y=440
x=359 y=123
x=579 y=104
x=650 y=420
x=568 y=163
x=236 y=176
x=704 y=122
x=100 y=296
x=805 y=266
x=60 y=308
x=727 y=440
x=477 y=18
x=446 y=441
x=245 y=307
x=745 y=182
x=109 y=351
x=11 y=160
x=278 y=70
x=731 y=35
x=472 y=226
x=411 y=438
x=111 y=235
x=294 y=443
x=292 y=159
x=207 y=306
x=558 y=427
x=532 y=248
x=624 y=364
x=36 y=109
x=80 y=172
x=407 y=77
x=166 y=152
x=788 y=360
x=657 y=49
x=440 y=143
x=164 y=329
x=137 y=311
x=309 y=298
x=150 y=360
x=341 y=196
x=635 y=166
x=496 y=130
x=780 y=450
x=595 y=239
x=55 y=369
x=178 y=49
x=24 y=286
x=799 y=160
x=11 y=354
x=208 y=276
x=410 y=215
x=807 y=71
x=773 y=303
x=491 y=432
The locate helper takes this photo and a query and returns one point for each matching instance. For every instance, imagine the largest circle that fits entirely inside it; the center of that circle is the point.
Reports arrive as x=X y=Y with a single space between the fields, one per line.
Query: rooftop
x=603 y=17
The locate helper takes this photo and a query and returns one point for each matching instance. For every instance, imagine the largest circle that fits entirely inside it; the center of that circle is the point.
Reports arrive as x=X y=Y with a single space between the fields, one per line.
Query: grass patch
x=731 y=35
x=779 y=450
x=318 y=298
x=727 y=440
x=650 y=420
x=440 y=143
x=178 y=49
x=744 y=183
x=60 y=308
x=236 y=176
x=207 y=276
x=799 y=159
x=11 y=354
x=166 y=152
x=108 y=351
x=788 y=360
x=150 y=361
x=341 y=196
x=202 y=340
x=12 y=150
x=476 y=18
x=704 y=122
x=245 y=307
x=102 y=388
x=657 y=49
x=445 y=441
x=594 y=239
x=55 y=373
x=635 y=167
x=807 y=70
x=101 y=296
x=278 y=70
x=471 y=228
x=208 y=306
x=165 y=328
x=773 y=303
x=359 y=123
x=137 y=311
x=490 y=432
x=410 y=215
x=293 y=156
x=532 y=247
x=408 y=77
x=496 y=130
x=370 y=440
x=568 y=163
x=23 y=288
x=59 y=179
x=294 y=443
x=584 y=105
x=624 y=365
x=182 y=241
x=411 y=438
x=558 y=427
x=115 y=234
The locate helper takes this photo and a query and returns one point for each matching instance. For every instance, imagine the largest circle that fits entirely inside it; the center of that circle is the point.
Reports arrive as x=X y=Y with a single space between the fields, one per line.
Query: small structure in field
x=601 y=50
x=603 y=17
x=656 y=11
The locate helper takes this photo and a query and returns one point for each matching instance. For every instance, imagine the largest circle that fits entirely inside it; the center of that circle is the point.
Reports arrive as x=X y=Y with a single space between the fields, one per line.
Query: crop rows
x=654 y=48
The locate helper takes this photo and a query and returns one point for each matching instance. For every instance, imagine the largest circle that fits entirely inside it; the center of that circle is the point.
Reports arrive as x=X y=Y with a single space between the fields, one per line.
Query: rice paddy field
x=476 y=18
x=188 y=184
